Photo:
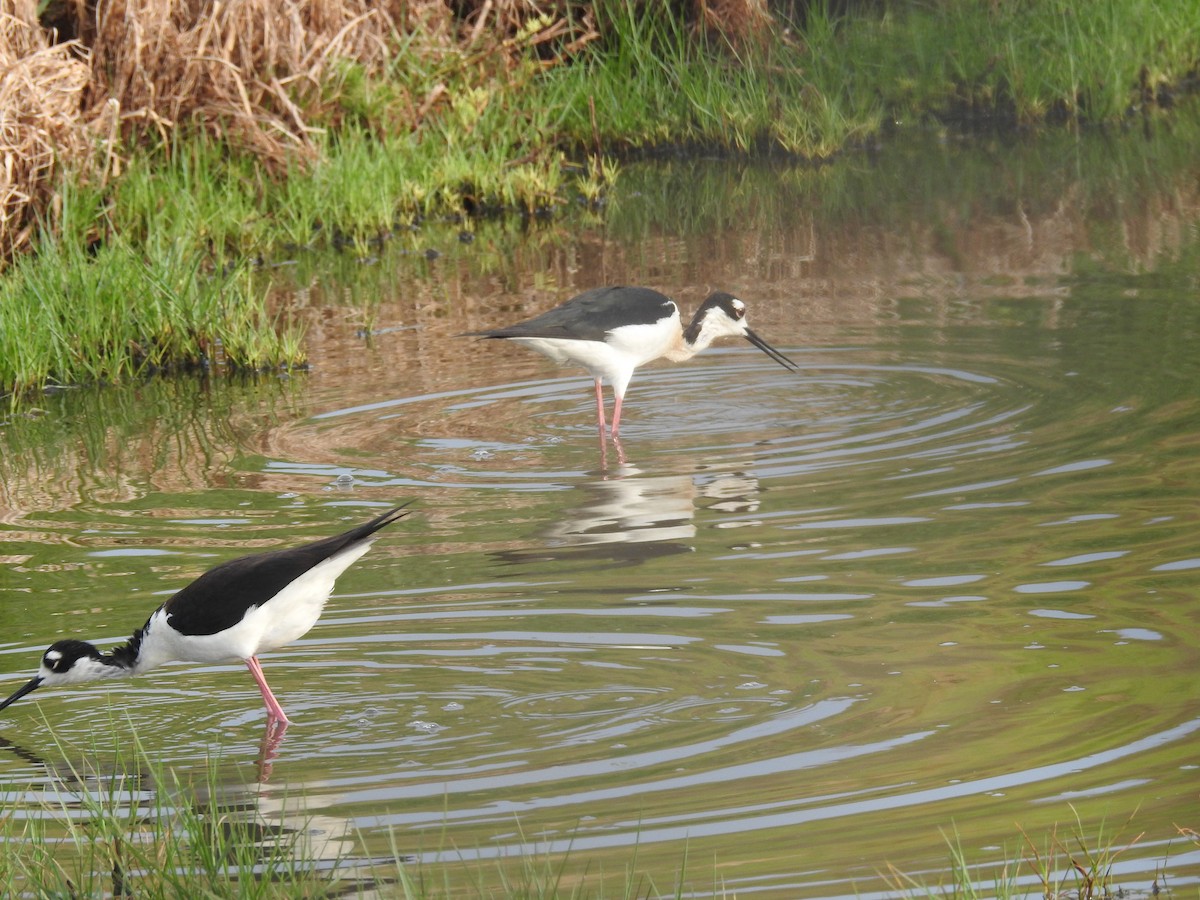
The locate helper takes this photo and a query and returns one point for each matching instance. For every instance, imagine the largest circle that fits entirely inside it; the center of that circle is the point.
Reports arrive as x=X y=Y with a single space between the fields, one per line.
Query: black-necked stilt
x=234 y=611
x=610 y=331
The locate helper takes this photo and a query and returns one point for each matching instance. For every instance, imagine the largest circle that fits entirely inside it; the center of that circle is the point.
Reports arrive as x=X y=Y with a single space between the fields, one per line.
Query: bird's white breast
x=645 y=342
x=624 y=349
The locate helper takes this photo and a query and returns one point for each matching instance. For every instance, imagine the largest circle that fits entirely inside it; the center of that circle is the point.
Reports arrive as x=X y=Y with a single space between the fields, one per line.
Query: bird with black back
x=611 y=331
x=235 y=610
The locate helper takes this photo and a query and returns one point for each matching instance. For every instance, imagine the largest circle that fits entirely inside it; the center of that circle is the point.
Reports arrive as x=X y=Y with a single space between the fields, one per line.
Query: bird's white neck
x=684 y=351
x=692 y=340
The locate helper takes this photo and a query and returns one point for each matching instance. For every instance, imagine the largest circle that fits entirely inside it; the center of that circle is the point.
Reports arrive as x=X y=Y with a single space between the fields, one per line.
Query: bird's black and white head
x=724 y=315
x=66 y=662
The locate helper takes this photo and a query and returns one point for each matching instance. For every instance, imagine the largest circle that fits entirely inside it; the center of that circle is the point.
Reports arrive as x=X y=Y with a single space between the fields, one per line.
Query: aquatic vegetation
x=133 y=826
x=113 y=820
x=1080 y=864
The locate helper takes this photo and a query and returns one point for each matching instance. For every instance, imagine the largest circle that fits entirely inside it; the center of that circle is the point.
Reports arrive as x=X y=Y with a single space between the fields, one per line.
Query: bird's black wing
x=591 y=315
x=219 y=598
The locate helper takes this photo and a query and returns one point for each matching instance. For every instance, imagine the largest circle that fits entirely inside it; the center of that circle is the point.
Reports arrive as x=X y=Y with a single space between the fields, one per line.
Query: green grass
x=653 y=81
x=134 y=276
x=1072 y=863
x=488 y=143
x=135 y=828
x=826 y=87
x=74 y=314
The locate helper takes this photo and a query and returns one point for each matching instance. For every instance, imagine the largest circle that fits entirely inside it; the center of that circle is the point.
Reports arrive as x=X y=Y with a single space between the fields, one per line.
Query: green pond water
x=797 y=632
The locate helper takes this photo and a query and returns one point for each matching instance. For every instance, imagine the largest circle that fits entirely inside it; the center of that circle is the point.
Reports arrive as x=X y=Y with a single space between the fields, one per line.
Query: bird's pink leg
x=616 y=415
x=274 y=710
x=600 y=407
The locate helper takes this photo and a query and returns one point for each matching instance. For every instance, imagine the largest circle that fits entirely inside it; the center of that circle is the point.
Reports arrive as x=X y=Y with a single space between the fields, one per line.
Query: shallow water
x=797 y=629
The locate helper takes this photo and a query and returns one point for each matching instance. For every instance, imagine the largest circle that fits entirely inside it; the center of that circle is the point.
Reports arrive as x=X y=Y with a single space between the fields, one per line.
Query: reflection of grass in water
x=178 y=435
x=917 y=178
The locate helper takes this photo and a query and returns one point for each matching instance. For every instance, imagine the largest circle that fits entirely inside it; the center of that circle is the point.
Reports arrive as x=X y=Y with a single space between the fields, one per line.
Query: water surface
x=796 y=631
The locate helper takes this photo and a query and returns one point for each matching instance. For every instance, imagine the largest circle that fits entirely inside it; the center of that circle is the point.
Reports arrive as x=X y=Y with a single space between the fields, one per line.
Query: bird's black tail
x=354 y=535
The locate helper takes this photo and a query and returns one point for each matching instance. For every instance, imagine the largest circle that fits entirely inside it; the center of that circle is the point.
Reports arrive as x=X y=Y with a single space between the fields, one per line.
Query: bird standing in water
x=234 y=611
x=611 y=331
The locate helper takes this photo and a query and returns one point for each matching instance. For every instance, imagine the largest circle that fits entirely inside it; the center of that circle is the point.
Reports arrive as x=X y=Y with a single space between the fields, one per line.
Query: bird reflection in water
x=628 y=518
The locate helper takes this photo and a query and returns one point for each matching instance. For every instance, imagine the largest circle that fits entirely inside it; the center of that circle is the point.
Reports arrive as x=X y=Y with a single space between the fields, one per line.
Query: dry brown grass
x=246 y=70
x=739 y=21
x=44 y=125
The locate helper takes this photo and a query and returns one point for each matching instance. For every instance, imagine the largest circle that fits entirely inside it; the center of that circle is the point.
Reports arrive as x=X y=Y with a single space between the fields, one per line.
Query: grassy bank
x=245 y=135
x=821 y=85
x=70 y=315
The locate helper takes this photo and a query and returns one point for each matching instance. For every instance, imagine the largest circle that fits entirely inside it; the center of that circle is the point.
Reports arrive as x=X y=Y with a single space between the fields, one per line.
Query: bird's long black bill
x=31 y=686
x=770 y=351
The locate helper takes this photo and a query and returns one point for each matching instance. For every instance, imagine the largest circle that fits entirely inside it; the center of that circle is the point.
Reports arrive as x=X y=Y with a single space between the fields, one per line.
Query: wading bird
x=610 y=331
x=234 y=611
